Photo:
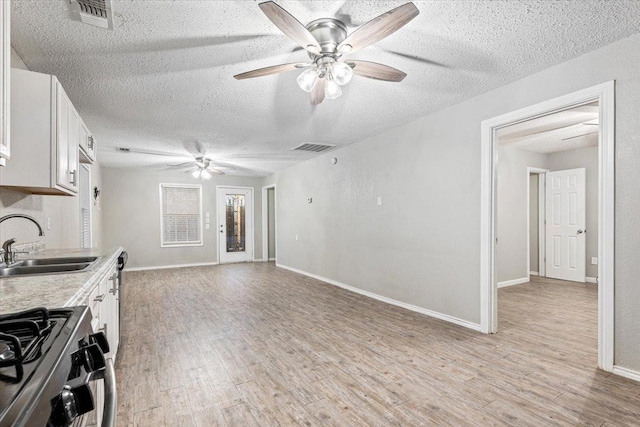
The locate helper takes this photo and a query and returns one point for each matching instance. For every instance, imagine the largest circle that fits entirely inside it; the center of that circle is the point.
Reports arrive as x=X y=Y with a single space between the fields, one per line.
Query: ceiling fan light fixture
x=196 y=173
x=307 y=79
x=341 y=73
x=332 y=90
x=205 y=174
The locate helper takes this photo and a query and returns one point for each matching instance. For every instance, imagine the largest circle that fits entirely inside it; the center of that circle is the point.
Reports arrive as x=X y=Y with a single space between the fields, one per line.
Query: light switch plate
x=379 y=201
x=594 y=260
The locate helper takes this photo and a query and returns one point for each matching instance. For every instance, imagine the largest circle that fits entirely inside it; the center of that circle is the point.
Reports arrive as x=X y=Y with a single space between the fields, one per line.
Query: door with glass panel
x=235 y=224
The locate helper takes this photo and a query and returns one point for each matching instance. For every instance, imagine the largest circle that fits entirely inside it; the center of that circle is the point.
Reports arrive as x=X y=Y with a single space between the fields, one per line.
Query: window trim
x=180 y=244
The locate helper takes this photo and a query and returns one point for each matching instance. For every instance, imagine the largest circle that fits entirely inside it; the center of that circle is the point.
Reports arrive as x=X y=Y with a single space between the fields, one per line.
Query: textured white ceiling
x=565 y=130
x=163 y=76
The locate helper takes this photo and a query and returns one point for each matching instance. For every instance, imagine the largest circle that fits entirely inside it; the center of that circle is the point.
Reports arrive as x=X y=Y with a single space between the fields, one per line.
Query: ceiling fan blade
x=274 y=69
x=290 y=26
x=317 y=94
x=152 y=152
x=215 y=170
x=373 y=70
x=379 y=28
x=181 y=164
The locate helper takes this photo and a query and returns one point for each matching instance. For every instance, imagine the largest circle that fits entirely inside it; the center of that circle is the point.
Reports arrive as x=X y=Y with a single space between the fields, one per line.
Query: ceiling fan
x=326 y=41
x=200 y=166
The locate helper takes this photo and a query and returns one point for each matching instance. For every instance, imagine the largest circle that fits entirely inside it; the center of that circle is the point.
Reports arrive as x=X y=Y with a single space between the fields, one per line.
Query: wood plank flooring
x=254 y=345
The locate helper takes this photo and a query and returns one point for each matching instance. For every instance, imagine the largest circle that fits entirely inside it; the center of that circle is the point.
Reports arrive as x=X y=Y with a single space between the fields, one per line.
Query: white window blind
x=181 y=210
x=85 y=206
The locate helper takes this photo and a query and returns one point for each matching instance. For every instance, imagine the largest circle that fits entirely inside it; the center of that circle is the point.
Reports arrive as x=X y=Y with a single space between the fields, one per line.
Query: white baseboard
x=272 y=259
x=437 y=315
x=591 y=280
x=162 y=267
x=513 y=282
x=534 y=273
x=627 y=373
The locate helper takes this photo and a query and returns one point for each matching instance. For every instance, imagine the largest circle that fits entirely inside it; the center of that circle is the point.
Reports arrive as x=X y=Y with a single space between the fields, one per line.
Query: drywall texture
x=513 y=180
x=271 y=221
x=534 y=238
x=131 y=207
x=62 y=213
x=422 y=246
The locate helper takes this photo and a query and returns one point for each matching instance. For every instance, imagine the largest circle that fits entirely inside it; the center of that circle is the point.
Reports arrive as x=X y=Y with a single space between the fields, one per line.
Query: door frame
x=253 y=215
x=605 y=95
x=88 y=169
x=265 y=220
x=541 y=217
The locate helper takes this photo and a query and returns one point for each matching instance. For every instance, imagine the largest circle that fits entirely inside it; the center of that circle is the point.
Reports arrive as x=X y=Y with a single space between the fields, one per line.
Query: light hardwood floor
x=251 y=344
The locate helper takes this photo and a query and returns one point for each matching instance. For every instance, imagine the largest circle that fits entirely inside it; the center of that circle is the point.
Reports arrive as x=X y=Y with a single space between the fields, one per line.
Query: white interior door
x=565 y=228
x=235 y=224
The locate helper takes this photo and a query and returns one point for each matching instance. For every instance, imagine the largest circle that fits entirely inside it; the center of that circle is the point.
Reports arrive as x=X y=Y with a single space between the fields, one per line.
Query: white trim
x=265 y=221
x=88 y=169
x=538 y=171
x=605 y=95
x=163 y=267
x=626 y=372
x=431 y=313
x=179 y=244
x=591 y=280
x=519 y=281
x=542 y=224
x=253 y=222
x=534 y=273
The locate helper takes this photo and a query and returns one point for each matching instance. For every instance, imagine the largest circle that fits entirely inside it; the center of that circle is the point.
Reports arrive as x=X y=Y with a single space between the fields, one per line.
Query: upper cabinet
x=87 y=145
x=5 y=57
x=45 y=130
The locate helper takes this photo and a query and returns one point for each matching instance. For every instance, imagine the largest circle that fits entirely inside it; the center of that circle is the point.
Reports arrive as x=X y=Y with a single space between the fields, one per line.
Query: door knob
x=580 y=231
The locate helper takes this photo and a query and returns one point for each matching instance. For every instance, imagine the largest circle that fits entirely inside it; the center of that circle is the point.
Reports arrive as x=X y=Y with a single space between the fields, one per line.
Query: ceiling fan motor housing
x=329 y=33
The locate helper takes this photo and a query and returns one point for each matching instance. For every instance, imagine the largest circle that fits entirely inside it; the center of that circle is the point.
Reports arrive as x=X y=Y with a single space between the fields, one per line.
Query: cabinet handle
x=73 y=174
x=90 y=142
x=100 y=298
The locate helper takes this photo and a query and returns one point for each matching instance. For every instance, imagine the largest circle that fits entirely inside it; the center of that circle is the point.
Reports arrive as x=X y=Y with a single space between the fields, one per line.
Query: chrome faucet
x=6 y=246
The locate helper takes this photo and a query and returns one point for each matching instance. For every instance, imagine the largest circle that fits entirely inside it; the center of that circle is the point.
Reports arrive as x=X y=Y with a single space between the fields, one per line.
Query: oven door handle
x=110 y=396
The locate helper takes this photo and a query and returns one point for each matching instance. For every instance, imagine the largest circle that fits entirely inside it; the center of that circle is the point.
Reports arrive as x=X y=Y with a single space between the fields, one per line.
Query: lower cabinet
x=105 y=311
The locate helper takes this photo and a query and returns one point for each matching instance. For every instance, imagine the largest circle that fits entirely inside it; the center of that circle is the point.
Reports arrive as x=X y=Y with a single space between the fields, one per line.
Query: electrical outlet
x=296 y=237
x=48 y=223
x=594 y=260
x=206 y=226
x=379 y=201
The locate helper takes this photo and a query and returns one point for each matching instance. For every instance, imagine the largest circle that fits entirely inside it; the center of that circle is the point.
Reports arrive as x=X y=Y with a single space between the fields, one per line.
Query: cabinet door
x=67 y=136
x=87 y=145
x=112 y=299
x=5 y=83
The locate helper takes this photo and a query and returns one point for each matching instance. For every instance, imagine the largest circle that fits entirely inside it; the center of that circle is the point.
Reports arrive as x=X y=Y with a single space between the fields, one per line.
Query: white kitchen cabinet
x=105 y=309
x=45 y=131
x=87 y=145
x=5 y=84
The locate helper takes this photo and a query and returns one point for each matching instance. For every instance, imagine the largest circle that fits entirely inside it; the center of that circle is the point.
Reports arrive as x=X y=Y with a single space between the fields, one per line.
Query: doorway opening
x=269 y=247
x=235 y=224
x=498 y=264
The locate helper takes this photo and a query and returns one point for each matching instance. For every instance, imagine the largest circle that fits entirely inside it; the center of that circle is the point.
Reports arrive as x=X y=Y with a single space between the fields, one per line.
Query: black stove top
x=38 y=359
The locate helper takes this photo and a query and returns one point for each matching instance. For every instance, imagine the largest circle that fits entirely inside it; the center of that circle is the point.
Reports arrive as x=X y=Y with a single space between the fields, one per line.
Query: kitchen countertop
x=55 y=290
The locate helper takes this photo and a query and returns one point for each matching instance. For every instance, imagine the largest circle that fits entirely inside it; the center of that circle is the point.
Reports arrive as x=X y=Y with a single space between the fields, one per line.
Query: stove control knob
x=72 y=403
x=101 y=339
x=92 y=357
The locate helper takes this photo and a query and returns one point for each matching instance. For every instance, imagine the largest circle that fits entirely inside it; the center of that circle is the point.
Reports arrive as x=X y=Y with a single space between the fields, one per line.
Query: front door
x=565 y=228
x=235 y=224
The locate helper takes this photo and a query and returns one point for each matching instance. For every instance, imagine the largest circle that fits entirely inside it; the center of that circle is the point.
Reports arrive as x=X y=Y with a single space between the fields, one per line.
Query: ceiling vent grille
x=93 y=12
x=314 y=148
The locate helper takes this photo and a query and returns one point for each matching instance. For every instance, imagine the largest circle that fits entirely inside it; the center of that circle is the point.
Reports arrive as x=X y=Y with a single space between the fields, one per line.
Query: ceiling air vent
x=93 y=12
x=314 y=148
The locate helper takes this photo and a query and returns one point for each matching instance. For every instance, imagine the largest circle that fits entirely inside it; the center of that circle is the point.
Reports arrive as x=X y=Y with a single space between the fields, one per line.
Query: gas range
x=50 y=364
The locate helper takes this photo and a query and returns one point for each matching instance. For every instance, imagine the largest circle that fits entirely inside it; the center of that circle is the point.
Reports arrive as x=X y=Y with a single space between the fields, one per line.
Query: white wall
x=271 y=221
x=131 y=208
x=62 y=212
x=423 y=245
x=513 y=180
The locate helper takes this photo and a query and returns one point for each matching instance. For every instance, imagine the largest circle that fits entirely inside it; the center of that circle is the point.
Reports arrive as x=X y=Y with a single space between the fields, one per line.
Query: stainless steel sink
x=42 y=269
x=55 y=261
x=48 y=266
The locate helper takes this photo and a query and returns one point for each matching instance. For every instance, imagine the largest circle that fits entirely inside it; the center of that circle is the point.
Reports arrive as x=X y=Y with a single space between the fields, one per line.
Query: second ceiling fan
x=326 y=41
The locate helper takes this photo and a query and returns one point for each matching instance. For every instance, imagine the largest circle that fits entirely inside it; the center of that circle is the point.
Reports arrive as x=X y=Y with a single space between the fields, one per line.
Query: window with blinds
x=181 y=210
x=85 y=206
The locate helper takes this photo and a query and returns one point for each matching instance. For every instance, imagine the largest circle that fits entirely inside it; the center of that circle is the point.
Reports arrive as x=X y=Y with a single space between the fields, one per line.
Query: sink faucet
x=6 y=246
